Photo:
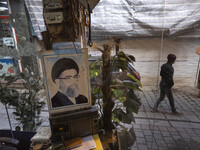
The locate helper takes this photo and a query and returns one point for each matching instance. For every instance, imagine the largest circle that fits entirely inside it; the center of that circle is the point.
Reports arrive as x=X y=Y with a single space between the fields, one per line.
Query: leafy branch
x=114 y=80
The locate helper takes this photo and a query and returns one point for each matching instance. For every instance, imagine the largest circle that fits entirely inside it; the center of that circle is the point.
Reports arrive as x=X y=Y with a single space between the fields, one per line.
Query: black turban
x=62 y=65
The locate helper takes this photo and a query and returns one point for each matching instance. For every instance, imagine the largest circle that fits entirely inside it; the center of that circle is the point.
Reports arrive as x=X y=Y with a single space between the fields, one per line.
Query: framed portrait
x=67 y=80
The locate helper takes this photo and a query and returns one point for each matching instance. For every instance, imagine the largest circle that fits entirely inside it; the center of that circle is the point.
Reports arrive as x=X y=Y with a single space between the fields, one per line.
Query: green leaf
x=132 y=105
x=123 y=59
x=135 y=79
x=130 y=83
x=118 y=93
x=132 y=57
x=123 y=65
x=131 y=95
x=16 y=113
x=123 y=117
x=130 y=115
x=94 y=73
x=128 y=58
x=3 y=76
x=132 y=86
x=10 y=80
x=119 y=117
x=132 y=132
x=116 y=116
x=121 y=54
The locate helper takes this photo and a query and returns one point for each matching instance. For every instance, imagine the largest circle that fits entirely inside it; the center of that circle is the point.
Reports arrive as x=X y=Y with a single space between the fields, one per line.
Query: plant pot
x=110 y=140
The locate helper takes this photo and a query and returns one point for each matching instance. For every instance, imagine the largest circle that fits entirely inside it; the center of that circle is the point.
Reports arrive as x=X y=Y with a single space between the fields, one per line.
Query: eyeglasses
x=70 y=77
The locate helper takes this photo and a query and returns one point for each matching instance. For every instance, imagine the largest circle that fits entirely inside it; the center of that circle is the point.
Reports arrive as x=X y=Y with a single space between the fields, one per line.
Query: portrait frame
x=52 y=88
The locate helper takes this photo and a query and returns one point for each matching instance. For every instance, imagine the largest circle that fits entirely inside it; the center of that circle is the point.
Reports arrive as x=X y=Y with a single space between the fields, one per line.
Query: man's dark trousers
x=165 y=91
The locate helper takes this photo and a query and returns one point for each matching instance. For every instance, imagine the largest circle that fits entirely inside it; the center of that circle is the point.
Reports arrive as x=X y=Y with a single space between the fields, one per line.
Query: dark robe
x=60 y=100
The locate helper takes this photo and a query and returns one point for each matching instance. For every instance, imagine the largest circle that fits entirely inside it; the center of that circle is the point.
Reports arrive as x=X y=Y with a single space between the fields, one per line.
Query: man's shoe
x=176 y=112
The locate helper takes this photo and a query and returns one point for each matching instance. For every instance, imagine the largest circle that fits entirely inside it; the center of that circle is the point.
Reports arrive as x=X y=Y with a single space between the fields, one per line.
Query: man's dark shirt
x=60 y=100
x=167 y=72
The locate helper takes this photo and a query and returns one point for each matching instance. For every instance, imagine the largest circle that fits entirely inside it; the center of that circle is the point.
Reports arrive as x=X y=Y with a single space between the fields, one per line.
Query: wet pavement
x=164 y=130
x=155 y=131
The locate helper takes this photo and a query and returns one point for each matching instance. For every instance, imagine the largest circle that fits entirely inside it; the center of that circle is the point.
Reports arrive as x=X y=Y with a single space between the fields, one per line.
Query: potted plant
x=25 y=102
x=113 y=92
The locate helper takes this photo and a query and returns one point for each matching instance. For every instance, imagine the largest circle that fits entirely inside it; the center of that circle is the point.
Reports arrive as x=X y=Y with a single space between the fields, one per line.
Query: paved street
x=156 y=131
x=163 y=130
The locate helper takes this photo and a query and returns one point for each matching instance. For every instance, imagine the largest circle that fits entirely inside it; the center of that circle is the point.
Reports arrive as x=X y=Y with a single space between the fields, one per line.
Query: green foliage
x=27 y=104
x=114 y=92
x=8 y=94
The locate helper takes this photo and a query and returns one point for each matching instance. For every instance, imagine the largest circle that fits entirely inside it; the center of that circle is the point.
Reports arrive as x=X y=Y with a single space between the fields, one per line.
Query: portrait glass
x=67 y=80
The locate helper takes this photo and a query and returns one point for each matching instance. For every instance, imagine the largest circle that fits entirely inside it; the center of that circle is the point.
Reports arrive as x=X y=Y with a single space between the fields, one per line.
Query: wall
x=147 y=52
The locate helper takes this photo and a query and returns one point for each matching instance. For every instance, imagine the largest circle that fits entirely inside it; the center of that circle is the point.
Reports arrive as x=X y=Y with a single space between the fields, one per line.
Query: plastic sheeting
x=35 y=9
x=133 y=18
x=144 y=18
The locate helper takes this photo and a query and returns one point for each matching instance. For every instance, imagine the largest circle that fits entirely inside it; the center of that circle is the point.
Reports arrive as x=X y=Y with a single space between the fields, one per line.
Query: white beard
x=70 y=91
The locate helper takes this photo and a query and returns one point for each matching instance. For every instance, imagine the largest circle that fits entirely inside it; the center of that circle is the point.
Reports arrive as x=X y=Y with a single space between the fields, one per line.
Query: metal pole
x=9 y=121
x=197 y=77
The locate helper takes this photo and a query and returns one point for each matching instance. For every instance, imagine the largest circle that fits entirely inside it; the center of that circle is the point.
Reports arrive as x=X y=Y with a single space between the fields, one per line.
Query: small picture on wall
x=66 y=80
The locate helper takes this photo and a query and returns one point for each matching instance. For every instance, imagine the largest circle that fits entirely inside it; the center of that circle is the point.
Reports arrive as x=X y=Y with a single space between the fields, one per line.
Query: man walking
x=166 y=73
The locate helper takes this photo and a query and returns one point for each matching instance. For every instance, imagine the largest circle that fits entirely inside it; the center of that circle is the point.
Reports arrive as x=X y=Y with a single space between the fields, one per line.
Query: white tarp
x=35 y=9
x=144 y=18
x=133 y=18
